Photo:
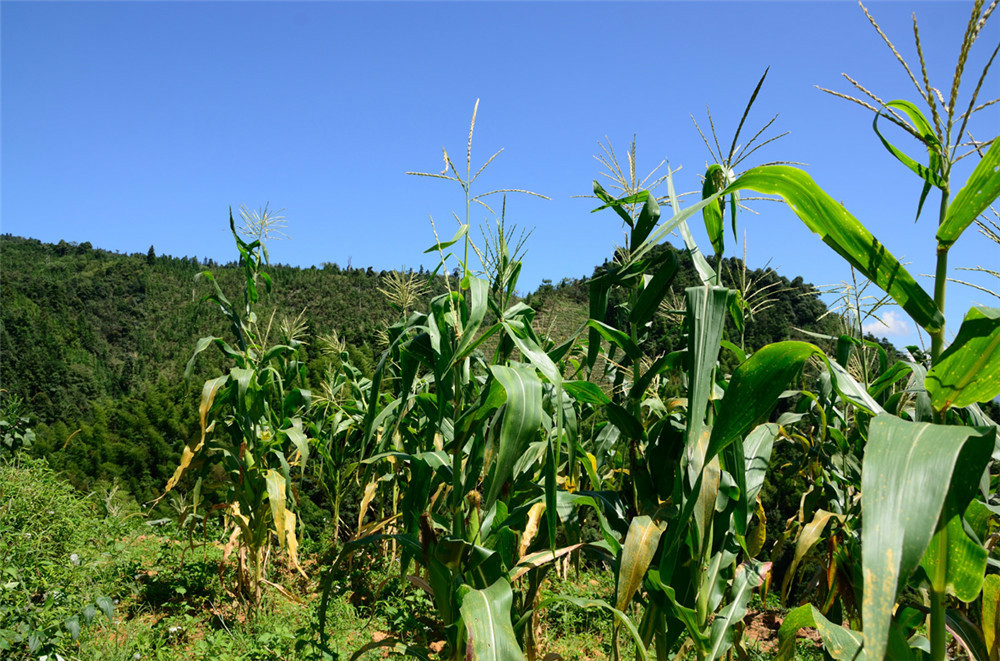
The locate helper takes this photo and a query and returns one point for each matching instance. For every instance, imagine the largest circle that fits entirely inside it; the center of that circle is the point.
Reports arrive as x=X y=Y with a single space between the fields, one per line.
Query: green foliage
x=54 y=576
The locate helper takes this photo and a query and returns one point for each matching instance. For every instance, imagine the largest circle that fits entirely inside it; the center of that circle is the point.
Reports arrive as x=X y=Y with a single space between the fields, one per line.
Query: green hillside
x=95 y=342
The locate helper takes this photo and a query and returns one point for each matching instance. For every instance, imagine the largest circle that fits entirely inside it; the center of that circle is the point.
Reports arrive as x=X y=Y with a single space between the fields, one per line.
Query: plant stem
x=940 y=282
x=937 y=626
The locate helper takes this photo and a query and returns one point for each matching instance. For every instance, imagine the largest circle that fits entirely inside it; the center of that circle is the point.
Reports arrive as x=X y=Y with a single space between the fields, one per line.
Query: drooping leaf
x=210 y=389
x=845 y=234
x=839 y=642
x=929 y=173
x=969 y=369
x=809 y=536
x=276 y=498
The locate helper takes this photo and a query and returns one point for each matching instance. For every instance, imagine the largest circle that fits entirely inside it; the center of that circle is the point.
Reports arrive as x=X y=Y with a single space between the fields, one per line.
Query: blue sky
x=130 y=124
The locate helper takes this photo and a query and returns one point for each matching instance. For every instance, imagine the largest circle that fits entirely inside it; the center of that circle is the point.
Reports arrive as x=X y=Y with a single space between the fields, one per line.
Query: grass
x=62 y=553
x=170 y=601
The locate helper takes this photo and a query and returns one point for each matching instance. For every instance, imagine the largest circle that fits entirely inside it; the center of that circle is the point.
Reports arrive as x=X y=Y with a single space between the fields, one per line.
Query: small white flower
x=74 y=558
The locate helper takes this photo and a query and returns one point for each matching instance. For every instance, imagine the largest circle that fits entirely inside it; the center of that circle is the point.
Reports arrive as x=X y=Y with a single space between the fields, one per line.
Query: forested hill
x=97 y=341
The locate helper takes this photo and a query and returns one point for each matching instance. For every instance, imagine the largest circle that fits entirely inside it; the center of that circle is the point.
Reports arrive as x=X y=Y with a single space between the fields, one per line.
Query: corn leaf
x=930 y=173
x=705 y=271
x=969 y=369
x=809 y=536
x=486 y=617
x=990 y=621
x=648 y=217
x=845 y=234
x=715 y=181
x=909 y=470
x=637 y=553
x=654 y=291
x=707 y=307
x=964 y=562
x=840 y=643
x=749 y=576
x=981 y=188
x=521 y=420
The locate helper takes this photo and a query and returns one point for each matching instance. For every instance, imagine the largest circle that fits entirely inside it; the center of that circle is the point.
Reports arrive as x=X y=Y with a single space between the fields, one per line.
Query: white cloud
x=892 y=324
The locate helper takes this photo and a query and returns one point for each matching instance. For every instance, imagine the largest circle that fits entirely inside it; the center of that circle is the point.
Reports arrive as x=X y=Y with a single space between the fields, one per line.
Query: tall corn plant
x=471 y=417
x=918 y=478
x=251 y=419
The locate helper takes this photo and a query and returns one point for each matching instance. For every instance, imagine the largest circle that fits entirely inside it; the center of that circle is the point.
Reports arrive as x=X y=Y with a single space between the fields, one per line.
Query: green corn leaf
x=654 y=291
x=599 y=290
x=486 y=618
x=990 y=609
x=930 y=173
x=967 y=634
x=705 y=271
x=301 y=443
x=909 y=470
x=840 y=643
x=969 y=369
x=715 y=181
x=845 y=234
x=755 y=387
x=521 y=420
x=749 y=576
x=889 y=377
x=586 y=392
x=706 y=307
x=637 y=553
x=964 y=562
x=757 y=448
x=462 y=230
x=534 y=353
x=648 y=217
x=980 y=190
x=616 y=337
x=477 y=298
x=672 y=360
x=619 y=204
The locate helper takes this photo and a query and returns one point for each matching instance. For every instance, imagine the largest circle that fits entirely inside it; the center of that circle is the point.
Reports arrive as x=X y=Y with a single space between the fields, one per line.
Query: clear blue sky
x=130 y=124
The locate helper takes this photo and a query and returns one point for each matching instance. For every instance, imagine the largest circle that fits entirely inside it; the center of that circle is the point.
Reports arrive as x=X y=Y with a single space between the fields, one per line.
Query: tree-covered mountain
x=95 y=343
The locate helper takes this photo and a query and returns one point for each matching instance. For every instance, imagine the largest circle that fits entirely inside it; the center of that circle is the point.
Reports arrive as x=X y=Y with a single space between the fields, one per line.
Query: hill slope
x=97 y=341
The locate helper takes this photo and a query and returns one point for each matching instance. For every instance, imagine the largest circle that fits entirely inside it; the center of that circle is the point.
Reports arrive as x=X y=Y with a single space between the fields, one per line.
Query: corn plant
x=251 y=418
